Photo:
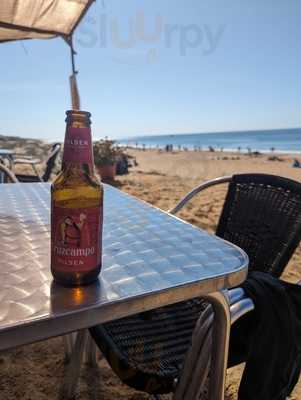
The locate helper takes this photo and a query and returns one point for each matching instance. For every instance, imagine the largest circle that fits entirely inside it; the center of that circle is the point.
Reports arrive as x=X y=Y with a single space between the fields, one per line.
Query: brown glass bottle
x=76 y=208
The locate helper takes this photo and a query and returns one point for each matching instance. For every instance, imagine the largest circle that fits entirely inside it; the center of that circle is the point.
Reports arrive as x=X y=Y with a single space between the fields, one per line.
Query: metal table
x=150 y=259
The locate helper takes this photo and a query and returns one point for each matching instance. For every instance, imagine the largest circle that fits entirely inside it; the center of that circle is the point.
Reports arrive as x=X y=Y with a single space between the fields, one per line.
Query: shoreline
x=216 y=150
x=282 y=140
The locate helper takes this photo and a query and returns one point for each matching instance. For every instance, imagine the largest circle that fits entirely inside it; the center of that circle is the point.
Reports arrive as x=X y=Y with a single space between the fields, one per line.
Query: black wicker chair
x=49 y=165
x=262 y=215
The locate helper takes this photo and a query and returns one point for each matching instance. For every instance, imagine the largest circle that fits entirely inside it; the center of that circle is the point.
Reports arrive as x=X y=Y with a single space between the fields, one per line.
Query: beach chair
x=6 y=175
x=168 y=349
x=49 y=165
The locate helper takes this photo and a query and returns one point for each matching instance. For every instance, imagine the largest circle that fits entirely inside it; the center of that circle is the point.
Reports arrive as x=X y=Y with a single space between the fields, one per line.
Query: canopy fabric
x=40 y=19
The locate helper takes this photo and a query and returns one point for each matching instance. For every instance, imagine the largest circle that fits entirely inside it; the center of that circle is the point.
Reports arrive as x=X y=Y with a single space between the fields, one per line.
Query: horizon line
x=212 y=132
x=161 y=134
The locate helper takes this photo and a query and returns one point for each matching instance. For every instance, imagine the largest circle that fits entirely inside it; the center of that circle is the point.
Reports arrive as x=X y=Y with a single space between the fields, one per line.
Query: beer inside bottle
x=76 y=208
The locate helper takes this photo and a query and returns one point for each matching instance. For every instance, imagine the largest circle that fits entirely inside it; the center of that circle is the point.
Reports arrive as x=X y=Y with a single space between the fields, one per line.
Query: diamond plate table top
x=150 y=259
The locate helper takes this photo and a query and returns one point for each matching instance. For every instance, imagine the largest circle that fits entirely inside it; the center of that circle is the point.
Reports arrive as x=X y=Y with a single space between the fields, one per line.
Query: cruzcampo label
x=76 y=238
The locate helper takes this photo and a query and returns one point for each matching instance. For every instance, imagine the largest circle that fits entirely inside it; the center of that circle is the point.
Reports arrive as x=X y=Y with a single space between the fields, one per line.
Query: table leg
x=91 y=352
x=68 y=342
x=76 y=358
x=220 y=344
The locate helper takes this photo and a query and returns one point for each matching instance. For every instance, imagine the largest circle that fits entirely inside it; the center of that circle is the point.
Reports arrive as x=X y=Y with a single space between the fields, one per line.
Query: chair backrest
x=262 y=215
x=50 y=162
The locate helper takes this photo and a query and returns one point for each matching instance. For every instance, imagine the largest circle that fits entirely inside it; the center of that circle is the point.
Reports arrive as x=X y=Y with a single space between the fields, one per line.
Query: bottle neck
x=78 y=151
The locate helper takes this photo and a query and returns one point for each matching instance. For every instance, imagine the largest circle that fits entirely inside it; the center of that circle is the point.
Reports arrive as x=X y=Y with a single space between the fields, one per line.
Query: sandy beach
x=35 y=372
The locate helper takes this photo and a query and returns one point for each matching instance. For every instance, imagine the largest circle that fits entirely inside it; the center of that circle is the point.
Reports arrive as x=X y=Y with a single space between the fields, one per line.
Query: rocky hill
x=29 y=147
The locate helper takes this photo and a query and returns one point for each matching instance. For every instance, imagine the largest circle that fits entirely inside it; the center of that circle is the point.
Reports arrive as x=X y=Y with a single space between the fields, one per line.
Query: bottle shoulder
x=64 y=180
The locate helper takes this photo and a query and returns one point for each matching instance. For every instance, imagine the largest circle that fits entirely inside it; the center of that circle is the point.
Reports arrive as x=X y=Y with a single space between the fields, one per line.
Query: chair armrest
x=240 y=304
x=236 y=295
x=198 y=189
x=22 y=155
x=241 y=308
x=27 y=161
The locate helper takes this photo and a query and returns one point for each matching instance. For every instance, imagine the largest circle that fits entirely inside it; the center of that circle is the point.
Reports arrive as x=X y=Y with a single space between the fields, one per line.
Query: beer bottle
x=76 y=208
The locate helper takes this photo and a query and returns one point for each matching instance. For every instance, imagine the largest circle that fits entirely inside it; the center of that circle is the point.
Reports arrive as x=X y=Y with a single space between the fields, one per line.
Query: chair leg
x=36 y=171
x=220 y=344
x=73 y=371
x=197 y=360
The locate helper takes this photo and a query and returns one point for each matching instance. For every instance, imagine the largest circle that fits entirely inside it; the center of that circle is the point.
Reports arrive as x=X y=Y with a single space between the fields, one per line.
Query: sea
x=278 y=140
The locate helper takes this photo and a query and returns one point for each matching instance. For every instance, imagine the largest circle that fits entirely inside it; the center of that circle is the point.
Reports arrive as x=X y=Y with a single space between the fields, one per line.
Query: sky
x=161 y=67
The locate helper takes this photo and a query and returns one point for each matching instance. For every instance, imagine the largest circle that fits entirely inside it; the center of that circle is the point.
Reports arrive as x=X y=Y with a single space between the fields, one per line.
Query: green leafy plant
x=106 y=152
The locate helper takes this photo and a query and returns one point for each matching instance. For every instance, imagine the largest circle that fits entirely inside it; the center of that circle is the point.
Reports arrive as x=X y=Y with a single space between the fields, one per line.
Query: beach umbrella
x=43 y=19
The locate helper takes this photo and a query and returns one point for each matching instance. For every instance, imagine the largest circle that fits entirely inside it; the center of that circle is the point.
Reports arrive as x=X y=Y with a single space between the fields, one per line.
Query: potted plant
x=105 y=158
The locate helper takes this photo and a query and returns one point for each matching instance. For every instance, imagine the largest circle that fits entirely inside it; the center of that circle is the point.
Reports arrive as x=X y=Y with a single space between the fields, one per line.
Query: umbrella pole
x=75 y=99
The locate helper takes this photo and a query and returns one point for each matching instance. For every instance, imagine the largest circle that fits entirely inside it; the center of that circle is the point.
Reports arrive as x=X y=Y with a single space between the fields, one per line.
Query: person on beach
x=296 y=164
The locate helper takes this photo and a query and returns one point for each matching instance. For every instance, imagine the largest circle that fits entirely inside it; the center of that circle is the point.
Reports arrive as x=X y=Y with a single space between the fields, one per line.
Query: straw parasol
x=44 y=19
